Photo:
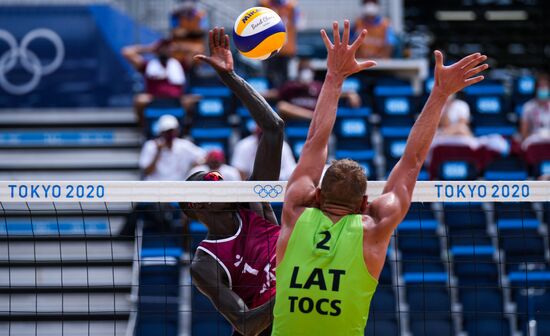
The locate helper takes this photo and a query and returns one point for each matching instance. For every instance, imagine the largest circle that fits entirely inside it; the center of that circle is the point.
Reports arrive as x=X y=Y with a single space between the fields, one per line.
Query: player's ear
x=318 y=196
x=364 y=204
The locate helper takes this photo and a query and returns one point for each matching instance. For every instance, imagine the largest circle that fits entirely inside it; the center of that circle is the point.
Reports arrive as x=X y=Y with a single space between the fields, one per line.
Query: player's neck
x=222 y=225
x=335 y=212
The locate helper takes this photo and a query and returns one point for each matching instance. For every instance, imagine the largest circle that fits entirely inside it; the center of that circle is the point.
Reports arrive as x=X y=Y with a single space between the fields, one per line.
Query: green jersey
x=323 y=285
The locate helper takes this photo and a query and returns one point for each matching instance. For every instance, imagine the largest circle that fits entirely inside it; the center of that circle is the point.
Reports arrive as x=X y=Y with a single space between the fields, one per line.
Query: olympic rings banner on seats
x=256 y=191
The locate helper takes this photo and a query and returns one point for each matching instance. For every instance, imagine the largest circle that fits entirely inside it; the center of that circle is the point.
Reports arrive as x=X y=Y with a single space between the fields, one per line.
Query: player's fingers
x=474 y=80
x=345 y=37
x=359 y=40
x=201 y=58
x=474 y=62
x=468 y=59
x=336 y=33
x=211 y=39
x=226 y=38
x=222 y=37
x=476 y=70
x=216 y=37
x=367 y=64
x=438 y=58
x=326 y=40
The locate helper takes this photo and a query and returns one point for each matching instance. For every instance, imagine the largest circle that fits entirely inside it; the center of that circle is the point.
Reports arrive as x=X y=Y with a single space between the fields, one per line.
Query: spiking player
x=235 y=265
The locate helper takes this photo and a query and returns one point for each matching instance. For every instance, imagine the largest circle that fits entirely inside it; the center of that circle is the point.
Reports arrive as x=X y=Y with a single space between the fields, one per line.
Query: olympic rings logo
x=28 y=59
x=268 y=190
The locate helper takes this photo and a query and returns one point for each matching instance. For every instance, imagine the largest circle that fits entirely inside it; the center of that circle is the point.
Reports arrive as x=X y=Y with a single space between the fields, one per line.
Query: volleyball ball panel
x=259 y=33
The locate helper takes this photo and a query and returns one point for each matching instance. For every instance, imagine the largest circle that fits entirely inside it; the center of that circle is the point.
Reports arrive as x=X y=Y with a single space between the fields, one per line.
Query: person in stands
x=277 y=66
x=168 y=157
x=245 y=149
x=535 y=118
x=381 y=39
x=164 y=75
x=215 y=161
x=297 y=98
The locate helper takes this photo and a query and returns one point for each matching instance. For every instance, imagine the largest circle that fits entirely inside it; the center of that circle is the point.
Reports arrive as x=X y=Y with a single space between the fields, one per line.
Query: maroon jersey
x=301 y=94
x=248 y=257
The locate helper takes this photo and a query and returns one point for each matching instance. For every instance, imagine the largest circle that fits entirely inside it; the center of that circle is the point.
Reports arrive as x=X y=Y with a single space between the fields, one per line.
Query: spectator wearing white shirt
x=456 y=118
x=245 y=151
x=169 y=158
x=535 y=118
x=215 y=161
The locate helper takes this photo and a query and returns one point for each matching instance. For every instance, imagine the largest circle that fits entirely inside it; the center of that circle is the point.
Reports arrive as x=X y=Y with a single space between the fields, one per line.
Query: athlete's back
x=323 y=285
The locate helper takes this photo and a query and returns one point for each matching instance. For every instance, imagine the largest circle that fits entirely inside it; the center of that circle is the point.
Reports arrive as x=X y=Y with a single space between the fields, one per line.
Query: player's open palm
x=341 y=55
x=453 y=78
x=220 y=54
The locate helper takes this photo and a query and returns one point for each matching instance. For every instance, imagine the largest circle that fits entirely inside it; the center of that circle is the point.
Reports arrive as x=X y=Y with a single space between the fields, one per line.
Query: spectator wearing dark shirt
x=297 y=98
x=189 y=24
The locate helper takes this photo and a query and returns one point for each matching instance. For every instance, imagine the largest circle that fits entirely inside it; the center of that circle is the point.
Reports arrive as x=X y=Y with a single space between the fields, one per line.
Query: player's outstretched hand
x=453 y=78
x=341 y=60
x=220 y=54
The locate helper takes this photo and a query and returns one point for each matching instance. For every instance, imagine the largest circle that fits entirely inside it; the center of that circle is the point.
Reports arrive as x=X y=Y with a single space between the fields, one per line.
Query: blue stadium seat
x=532 y=303
x=155 y=324
x=382 y=324
x=423 y=325
x=481 y=299
x=509 y=168
x=518 y=235
x=427 y=293
x=524 y=89
x=474 y=265
x=395 y=104
x=419 y=245
x=466 y=224
x=205 y=319
x=489 y=109
x=364 y=157
x=212 y=138
x=395 y=139
x=296 y=136
x=211 y=91
x=481 y=325
x=382 y=317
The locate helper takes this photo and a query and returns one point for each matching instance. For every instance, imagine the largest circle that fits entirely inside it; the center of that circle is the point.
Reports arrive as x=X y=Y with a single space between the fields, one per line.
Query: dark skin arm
x=211 y=280
x=267 y=164
x=207 y=274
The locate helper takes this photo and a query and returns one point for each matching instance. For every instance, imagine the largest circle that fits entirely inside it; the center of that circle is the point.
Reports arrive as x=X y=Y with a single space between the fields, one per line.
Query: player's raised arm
x=268 y=156
x=392 y=206
x=341 y=63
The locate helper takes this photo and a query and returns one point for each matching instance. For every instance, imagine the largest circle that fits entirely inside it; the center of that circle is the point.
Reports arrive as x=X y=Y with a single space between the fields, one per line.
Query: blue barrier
x=471 y=250
x=435 y=277
x=57 y=138
x=519 y=223
x=52 y=226
x=362 y=154
x=388 y=91
x=412 y=225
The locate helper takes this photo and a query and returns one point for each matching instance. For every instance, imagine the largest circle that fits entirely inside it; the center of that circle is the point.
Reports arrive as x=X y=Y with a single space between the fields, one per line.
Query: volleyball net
x=112 y=258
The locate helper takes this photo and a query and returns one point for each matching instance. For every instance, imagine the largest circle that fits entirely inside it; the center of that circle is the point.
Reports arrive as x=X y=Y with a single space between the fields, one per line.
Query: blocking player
x=332 y=245
x=235 y=265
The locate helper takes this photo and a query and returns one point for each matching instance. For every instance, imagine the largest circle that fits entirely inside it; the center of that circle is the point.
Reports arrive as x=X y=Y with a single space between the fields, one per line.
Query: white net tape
x=256 y=191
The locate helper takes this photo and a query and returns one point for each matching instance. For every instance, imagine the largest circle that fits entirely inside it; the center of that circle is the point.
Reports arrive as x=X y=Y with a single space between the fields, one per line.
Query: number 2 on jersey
x=322 y=244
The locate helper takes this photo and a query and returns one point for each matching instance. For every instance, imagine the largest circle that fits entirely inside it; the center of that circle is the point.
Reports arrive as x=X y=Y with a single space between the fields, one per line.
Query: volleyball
x=259 y=33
